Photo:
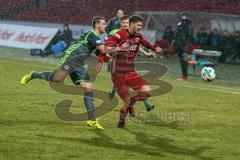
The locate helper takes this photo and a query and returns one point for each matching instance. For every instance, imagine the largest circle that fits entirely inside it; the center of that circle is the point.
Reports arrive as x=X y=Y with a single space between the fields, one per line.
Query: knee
x=146 y=88
x=146 y=91
x=58 y=78
x=127 y=101
x=86 y=86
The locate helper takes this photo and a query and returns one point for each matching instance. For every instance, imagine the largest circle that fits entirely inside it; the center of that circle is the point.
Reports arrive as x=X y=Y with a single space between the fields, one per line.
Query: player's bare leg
x=124 y=111
x=129 y=102
x=146 y=92
x=142 y=95
x=148 y=105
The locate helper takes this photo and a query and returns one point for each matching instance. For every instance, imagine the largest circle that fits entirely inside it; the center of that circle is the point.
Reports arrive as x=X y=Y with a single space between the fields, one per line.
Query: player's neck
x=96 y=31
x=131 y=31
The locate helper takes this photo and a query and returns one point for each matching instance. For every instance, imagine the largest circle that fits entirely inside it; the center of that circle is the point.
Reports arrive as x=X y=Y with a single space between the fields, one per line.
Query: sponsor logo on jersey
x=137 y=39
x=98 y=41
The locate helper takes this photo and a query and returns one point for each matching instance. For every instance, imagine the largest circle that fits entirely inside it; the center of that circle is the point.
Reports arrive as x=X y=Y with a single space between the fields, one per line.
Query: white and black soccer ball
x=208 y=74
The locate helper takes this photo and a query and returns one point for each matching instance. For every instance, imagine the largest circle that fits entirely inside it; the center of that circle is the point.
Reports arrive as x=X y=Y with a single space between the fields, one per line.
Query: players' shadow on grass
x=31 y=122
x=102 y=140
x=149 y=146
x=170 y=125
x=165 y=145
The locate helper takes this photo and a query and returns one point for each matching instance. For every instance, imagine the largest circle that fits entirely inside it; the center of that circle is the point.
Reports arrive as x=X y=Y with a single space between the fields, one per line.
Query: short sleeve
x=116 y=37
x=95 y=40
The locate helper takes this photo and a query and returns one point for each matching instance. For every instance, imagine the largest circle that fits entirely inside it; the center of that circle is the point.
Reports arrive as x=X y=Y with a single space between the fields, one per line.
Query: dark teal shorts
x=79 y=75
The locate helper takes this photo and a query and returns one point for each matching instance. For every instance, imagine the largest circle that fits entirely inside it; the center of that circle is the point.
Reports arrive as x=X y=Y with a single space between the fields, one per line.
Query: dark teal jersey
x=90 y=40
x=83 y=48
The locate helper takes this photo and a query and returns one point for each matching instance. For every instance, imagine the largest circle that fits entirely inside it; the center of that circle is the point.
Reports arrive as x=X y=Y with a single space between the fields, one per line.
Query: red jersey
x=123 y=61
x=102 y=57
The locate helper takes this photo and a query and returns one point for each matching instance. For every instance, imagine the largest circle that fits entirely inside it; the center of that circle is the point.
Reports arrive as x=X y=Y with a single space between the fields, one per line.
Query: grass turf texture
x=31 y=130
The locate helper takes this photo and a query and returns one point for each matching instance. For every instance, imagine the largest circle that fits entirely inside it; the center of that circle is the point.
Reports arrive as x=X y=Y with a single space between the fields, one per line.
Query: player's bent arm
x=108 y=48
x=112 y=47
x=115 y=43
x=144 y=52
x=101 y=49
x=148 y=45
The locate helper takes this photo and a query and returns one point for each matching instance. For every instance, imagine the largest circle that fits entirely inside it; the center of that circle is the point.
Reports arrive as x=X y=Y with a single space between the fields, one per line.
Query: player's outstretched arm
x=102 y=57
x=113 y=47
x=101 y=49
x=116 y=43
x=145 y=52
x=148 y=45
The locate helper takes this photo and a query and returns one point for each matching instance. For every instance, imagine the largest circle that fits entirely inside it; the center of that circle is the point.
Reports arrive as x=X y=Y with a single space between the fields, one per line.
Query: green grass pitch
x=207 y=127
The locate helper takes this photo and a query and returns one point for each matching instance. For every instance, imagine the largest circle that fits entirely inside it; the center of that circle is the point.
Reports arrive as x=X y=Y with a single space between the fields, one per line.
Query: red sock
x=123 y=113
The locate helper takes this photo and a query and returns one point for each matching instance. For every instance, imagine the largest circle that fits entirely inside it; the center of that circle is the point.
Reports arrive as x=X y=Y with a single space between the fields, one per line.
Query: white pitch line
x=211 y=89
x=187 y=86
x=190 y=85
x=215 y=86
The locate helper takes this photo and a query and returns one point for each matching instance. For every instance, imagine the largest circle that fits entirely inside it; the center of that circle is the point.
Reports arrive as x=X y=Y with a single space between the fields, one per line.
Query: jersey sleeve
x=113 y=32
x=114 y=38
x=146 y=44
x=94 y=40
x=103 y=57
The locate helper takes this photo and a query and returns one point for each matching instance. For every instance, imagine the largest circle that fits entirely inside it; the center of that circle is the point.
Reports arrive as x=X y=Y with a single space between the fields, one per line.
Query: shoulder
x=93 y=37
x=113 y=32
x=113 y=19
x=92 y=34
x=121 y=33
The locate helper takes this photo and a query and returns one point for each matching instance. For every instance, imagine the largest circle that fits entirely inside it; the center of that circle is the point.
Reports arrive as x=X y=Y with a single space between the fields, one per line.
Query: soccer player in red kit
x=124 y=75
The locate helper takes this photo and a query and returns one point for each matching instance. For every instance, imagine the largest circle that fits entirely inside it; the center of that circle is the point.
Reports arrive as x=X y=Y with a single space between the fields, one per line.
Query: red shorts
x=122 y=82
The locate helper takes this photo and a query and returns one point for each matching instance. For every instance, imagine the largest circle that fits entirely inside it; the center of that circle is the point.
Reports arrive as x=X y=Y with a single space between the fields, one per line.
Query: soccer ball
x=208 y=74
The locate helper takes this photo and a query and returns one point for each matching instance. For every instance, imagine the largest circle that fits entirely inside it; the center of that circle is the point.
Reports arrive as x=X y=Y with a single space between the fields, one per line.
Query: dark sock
x=147 y=103
x=88 y=101
x=113 y=90
x=46 y=75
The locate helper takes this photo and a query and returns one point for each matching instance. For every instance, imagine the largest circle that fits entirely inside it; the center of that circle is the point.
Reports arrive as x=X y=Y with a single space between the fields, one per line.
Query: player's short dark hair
x=96 y=20
x=124 y=18
x=135 y=19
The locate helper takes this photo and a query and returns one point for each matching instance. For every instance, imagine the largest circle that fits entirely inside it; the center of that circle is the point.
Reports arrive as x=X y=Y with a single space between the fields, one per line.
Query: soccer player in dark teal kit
x=72 y=64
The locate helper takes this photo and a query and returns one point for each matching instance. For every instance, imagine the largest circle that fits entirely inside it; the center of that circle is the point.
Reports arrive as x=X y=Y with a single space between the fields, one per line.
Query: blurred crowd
x=226 y=42
x=170 y=40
